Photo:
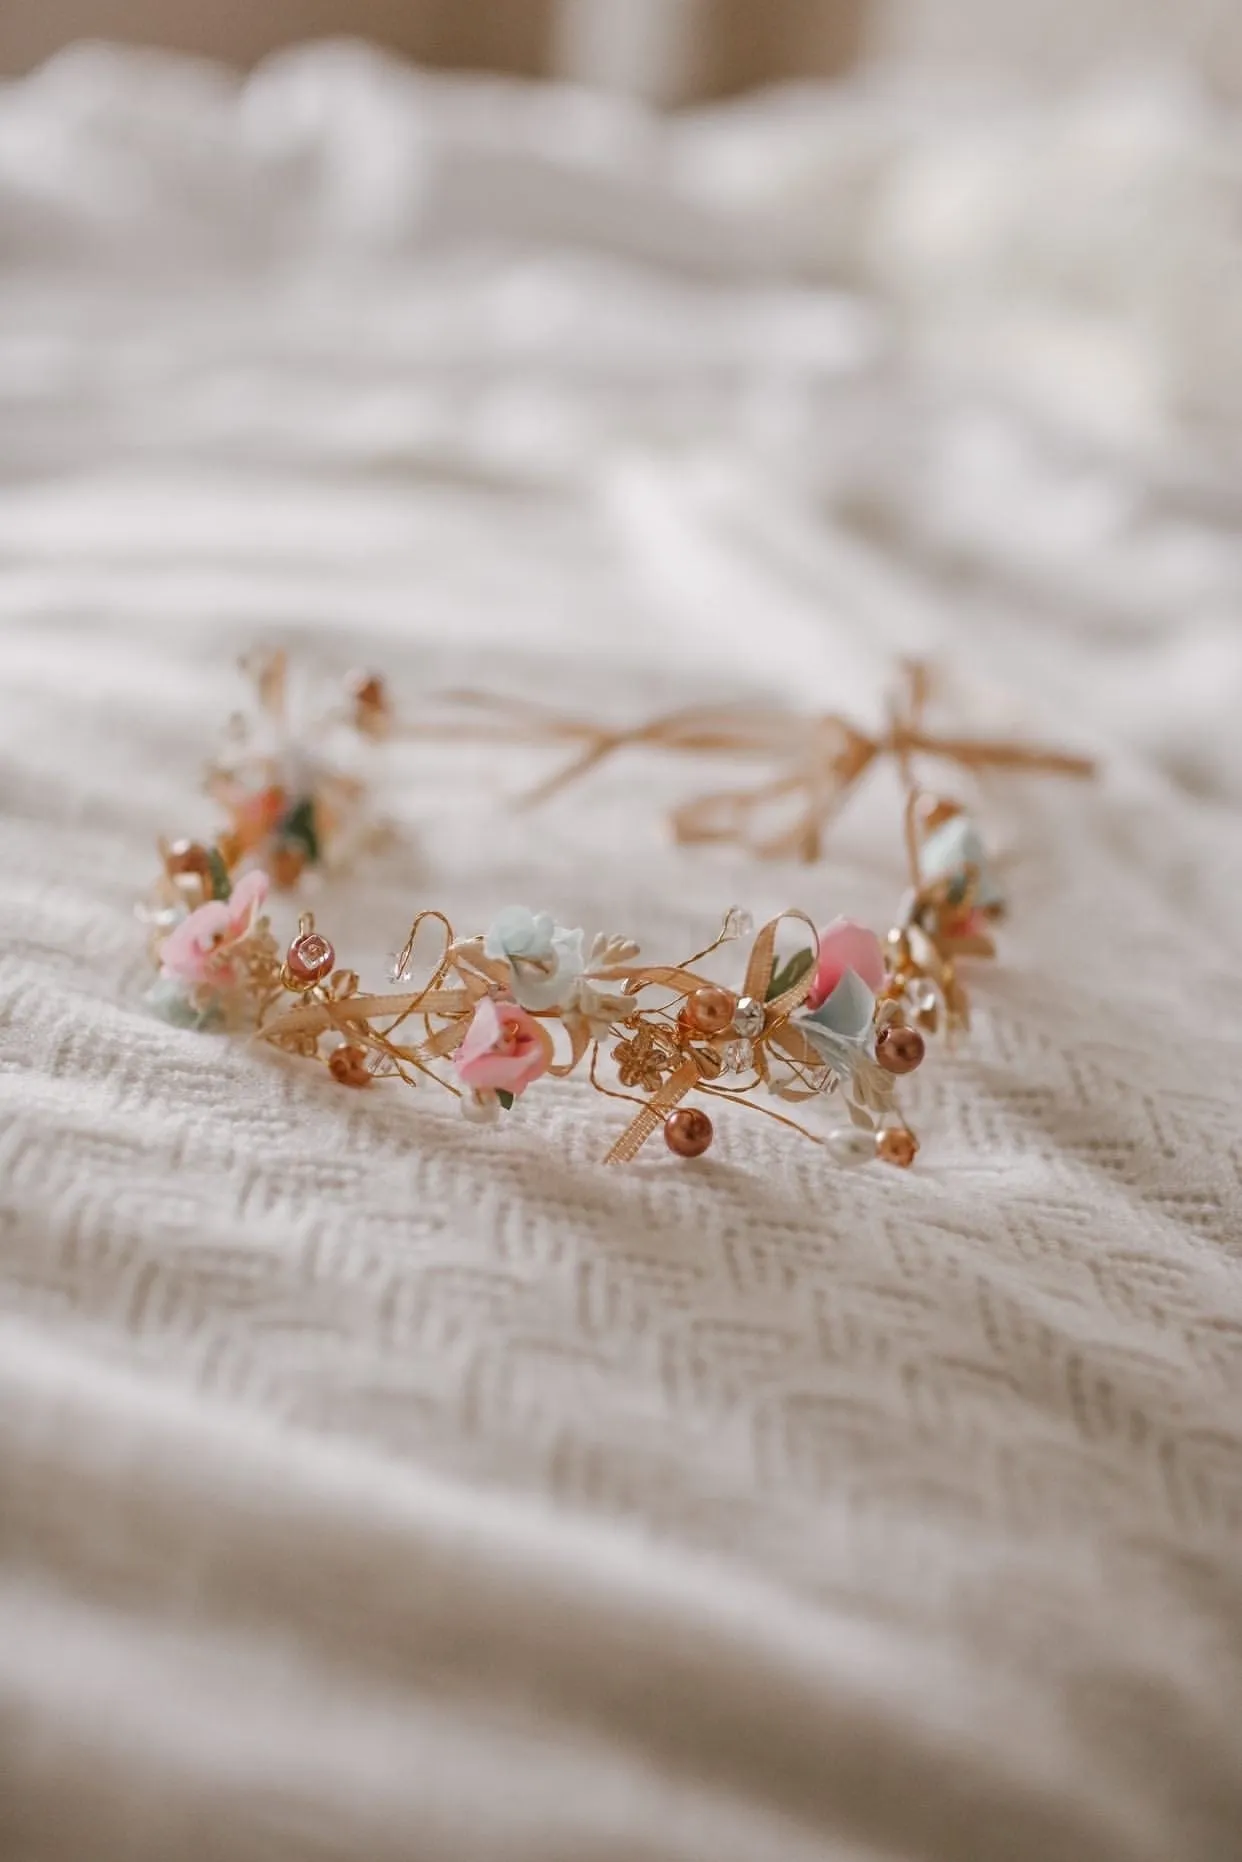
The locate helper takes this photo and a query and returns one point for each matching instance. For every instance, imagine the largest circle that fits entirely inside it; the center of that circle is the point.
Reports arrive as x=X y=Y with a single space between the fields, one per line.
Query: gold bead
x=710 y=1010
x=348 y=1064
x=896 y=1145
x=899 y=1049
x=688 y=1132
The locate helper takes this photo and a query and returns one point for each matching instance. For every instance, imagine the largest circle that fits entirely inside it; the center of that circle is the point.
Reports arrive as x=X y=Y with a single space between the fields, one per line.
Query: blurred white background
x=671 y=50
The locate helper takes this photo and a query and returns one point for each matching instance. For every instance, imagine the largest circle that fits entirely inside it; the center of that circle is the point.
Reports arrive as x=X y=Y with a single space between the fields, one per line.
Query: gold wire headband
x=839 y=1015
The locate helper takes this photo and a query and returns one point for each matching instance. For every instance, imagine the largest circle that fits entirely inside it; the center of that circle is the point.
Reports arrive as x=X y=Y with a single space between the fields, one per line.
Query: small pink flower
x=844 y=945
x=201 y=948
x=504 y=1049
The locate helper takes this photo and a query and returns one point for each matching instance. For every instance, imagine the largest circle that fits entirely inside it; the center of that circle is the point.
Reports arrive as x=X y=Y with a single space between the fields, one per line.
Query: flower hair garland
x=830 y=1013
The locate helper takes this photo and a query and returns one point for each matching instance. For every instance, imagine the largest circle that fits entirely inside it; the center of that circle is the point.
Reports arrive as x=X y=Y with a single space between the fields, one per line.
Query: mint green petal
x=567 y=947
x=550 y=992
x=956 y=844
x=833 y=1050
x=167 y=999
x=517 y=932
x=849 y=1010
x=505 y=926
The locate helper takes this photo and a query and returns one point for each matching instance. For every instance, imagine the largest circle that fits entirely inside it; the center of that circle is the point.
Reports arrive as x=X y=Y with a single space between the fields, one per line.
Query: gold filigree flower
x=643 y=1060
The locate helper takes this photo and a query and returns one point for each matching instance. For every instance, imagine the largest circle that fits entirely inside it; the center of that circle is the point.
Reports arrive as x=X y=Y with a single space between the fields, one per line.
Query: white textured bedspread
x=377 y=1488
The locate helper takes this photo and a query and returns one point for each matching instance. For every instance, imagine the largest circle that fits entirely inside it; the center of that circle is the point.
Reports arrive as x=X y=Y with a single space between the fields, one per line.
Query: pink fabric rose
x=845 y=945
x=504 y=1049
x=202 y=947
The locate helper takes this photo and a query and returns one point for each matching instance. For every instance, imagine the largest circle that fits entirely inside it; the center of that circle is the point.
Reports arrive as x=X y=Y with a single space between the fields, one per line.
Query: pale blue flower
x=517 y=932
x=840 y=1029
x=545 y=958
x=168 y=998
x=950 y=849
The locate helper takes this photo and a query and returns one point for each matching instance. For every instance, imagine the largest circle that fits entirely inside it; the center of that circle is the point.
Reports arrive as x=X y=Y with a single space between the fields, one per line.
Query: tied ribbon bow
x=825 y=757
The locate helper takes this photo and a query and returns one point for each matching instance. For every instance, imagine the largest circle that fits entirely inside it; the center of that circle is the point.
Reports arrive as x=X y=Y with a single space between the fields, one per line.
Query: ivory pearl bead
x=688 y=1132
x=711 y=1010
x=899 y=1049
x=480 y=1108
x=310 y=958
x=849 y=1148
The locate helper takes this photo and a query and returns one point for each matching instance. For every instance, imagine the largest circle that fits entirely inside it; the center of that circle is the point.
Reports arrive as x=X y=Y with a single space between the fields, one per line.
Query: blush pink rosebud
x=504 y=1049
x=845 y=945
x=202 y=948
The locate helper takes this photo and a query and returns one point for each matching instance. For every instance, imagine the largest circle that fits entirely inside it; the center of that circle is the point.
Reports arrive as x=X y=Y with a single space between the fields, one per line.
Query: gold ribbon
x=827 y=757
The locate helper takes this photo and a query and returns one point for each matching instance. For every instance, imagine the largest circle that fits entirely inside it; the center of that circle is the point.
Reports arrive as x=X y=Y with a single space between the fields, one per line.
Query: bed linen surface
x=372 y=1486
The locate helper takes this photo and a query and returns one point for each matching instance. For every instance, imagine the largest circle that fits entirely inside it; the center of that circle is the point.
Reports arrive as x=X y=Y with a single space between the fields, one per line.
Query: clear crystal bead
x=738 y=1056
x=749 y=1017
x=738 y=922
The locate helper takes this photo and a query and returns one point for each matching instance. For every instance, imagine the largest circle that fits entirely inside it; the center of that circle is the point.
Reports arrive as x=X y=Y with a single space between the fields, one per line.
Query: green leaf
x=299 y=826
x=506 y=1099
x=221 y=884
x=790 y=973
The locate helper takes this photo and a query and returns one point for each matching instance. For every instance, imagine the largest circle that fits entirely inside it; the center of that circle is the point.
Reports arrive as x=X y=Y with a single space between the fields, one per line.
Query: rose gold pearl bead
x=349 y=1065
x=309 y=958
x=896 y=1146
x=688 y=1132
x=711 y=1011
x=284 y=866
x=187 y=856
x=900 y=1050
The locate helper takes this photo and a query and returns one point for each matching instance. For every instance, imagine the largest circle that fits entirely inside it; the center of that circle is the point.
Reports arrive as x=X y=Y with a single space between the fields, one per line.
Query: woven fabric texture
x=371 y=1485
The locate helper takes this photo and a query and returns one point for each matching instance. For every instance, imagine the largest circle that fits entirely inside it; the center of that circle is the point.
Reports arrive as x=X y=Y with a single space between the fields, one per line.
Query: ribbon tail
x=580 y=1039
x=443 y=1042
x=654 y=1113
x=580 y=765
